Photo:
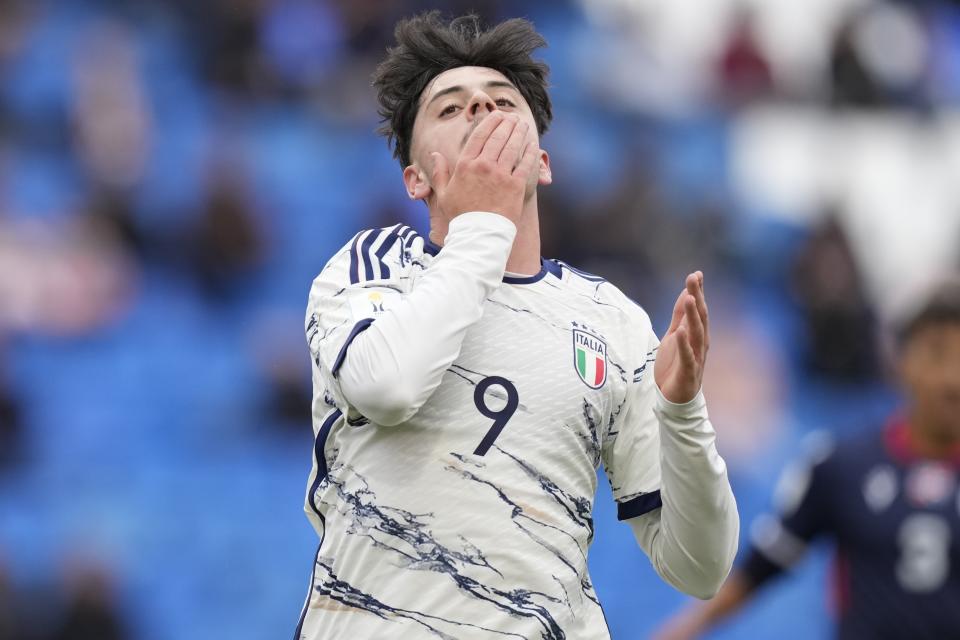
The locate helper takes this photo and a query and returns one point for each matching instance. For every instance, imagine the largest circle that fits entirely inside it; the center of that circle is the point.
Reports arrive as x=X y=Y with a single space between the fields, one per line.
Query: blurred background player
x=889 y=500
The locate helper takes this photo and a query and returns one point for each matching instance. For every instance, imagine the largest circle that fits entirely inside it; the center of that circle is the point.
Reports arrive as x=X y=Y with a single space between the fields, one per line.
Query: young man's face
x=451 y=107
x=930 y=367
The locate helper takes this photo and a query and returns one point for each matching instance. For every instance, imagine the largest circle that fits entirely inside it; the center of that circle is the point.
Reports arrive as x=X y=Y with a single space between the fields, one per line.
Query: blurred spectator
x=14 y=21
x=110 y=212
x=63 y=278
x=91 y=611
x=367 y=32
x=14 y=15
x=851 y=83
x=289 y=397
x=840 y=325
x=11 y=443
x=880 y=58
x=744 y=74
x=284 y=373
x=16 y=18
x=111 y=119
x=226 y=246
x=231 y=57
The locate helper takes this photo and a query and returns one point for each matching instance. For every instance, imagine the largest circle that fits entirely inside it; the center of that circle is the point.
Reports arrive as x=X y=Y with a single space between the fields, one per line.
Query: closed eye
x=504 y=102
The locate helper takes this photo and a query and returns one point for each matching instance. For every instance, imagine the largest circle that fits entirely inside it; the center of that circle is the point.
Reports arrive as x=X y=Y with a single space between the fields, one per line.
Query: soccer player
x=466 y=389
x=889 y=500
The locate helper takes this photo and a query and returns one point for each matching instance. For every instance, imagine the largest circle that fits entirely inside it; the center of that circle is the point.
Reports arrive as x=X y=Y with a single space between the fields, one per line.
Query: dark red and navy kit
x=895 y=520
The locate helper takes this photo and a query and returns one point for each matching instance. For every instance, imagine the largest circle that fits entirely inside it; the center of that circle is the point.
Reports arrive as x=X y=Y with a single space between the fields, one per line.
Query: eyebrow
x=458 y=88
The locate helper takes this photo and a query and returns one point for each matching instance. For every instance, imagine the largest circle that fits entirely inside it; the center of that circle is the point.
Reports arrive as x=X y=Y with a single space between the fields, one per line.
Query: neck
x=524 y=258
x=929 y=441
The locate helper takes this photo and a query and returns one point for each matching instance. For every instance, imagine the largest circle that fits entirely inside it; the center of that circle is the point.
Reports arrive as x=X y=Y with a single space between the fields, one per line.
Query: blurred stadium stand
x=173 y=174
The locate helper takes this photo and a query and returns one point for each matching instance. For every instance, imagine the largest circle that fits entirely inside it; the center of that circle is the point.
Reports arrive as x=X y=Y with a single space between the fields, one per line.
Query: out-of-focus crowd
x=174 y=173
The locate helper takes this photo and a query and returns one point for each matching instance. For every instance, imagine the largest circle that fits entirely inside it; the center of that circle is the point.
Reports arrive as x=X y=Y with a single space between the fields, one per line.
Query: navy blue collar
x=546 y=266
x=430 y=247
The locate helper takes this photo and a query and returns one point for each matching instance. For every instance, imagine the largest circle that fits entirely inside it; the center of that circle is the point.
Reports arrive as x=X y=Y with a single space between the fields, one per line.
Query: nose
x=480 y=106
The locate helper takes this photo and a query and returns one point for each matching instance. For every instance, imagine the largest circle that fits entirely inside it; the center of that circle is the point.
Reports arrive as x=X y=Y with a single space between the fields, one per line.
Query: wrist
x=483 y=219
x=686 y=409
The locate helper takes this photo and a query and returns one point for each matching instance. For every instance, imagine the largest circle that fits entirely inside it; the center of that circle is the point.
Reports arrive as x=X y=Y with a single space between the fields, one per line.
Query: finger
x=479 y=136
x=677 y=313
x=695 y=288
x=692 y=283
x=495 y=143
x=514 y=148
x=441 y=173
x=694 y=325
x=687 y=357
x=704 y=312
x=528 y=162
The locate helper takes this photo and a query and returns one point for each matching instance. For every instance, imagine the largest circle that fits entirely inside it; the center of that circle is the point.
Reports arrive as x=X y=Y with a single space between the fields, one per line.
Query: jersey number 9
x=500 y=417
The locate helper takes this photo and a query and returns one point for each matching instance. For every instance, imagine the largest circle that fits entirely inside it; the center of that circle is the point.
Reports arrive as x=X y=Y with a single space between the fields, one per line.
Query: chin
x=953 y=432
x=949 y=429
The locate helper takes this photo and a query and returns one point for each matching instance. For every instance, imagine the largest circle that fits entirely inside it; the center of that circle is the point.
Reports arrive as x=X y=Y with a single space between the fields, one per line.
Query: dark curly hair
x=427 y=46
x=942 y=306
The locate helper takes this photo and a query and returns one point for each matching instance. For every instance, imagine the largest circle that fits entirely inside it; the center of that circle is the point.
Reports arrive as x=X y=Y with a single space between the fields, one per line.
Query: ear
x=415 y=180
x=545 y=176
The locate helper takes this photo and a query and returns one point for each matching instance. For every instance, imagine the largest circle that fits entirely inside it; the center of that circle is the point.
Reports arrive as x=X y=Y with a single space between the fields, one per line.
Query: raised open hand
x=682 y=356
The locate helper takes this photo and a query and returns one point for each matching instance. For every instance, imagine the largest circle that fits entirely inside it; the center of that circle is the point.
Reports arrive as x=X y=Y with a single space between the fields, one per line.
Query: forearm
x=700 y=617
x=734 y=593
x=692 y=539
x=393 y=366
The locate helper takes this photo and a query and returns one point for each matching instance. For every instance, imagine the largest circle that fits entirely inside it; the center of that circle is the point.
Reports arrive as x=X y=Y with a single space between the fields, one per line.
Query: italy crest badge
x=590 y=358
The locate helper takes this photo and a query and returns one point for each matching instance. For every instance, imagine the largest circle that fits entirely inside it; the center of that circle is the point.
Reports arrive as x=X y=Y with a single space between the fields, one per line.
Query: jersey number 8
x=924 y=553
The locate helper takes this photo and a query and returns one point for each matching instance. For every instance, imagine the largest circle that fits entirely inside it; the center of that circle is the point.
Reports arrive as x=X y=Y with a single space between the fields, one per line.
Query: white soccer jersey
x=472 y=518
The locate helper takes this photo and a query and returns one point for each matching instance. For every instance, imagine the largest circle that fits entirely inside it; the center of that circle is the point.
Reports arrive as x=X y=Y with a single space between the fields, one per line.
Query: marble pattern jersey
x=472 y=519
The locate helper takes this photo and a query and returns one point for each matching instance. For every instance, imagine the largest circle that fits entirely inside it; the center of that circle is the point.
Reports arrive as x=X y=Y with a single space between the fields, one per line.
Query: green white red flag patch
x=590 y=358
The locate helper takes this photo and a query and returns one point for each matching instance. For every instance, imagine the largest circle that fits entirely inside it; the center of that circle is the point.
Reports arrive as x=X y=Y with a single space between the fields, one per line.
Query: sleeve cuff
x=486 y=220
x=691 y=409
x=638 y=506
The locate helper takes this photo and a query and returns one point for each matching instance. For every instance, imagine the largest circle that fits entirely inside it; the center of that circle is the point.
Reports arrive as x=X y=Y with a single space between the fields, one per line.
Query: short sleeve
x=803 y=512
x=357 y=285
x=631 y=449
